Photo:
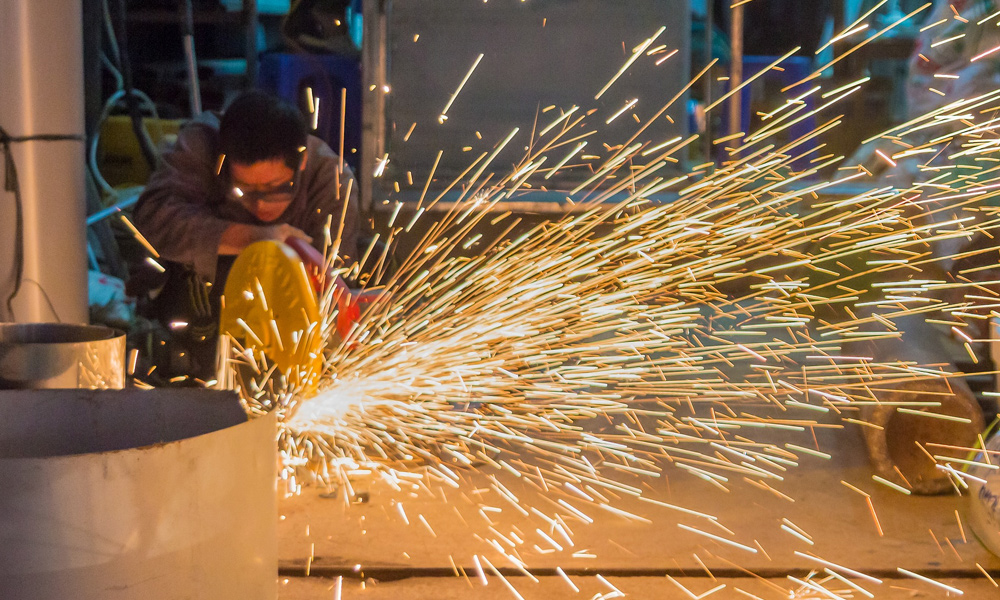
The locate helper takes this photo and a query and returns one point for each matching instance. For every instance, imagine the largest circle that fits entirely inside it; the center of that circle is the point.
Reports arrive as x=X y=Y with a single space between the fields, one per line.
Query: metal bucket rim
x=55 y=333
x=63 y=423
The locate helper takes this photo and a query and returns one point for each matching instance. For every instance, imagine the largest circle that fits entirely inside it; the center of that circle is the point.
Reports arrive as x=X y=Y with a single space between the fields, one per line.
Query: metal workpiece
x=122 y=495
x=61 y=356
x=984 y=497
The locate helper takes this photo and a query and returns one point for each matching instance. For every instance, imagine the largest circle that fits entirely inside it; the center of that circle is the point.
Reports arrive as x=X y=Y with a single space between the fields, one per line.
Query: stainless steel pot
x=61 y=356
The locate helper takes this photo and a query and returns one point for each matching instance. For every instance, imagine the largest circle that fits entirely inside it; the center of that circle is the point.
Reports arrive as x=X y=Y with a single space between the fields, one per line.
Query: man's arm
x=173 y=212
x=238 y=236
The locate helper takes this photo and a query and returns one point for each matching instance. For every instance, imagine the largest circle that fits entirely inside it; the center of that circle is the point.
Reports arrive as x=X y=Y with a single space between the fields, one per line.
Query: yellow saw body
x=270 y=306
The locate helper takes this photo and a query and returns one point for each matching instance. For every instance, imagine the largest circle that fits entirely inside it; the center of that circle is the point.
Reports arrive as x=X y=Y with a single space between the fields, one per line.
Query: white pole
x=41 y=92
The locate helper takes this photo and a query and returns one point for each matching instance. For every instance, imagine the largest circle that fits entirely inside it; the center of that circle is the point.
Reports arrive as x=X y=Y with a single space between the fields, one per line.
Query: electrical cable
x=110 y=32
x=113 y=65
x=119 y=81
x=95 y=137
x=11 y=184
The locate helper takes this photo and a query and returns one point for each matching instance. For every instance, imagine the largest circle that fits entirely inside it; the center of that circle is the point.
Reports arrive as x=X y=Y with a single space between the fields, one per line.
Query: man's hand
x=281 y=232
x=238 y=236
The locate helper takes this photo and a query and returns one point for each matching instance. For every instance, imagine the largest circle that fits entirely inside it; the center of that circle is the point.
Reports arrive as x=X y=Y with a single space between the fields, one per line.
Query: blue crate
x=288 y=75
x=795 y=69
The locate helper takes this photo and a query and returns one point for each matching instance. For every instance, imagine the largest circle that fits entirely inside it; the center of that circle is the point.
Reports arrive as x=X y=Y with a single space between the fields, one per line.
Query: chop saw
x=273 y=305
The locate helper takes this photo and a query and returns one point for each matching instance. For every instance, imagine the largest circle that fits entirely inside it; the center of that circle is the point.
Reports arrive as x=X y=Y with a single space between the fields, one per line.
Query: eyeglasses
x=279 y=193
x=282 y=192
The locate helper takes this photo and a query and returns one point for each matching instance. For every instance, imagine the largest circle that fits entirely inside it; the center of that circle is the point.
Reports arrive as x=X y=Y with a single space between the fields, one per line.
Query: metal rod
x=250 y=23
x=707 y=83
x=187 y=33
x=374 y=77
x=736 y=68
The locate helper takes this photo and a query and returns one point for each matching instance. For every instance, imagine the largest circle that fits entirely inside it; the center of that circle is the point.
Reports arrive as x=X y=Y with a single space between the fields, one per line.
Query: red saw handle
x=314 y=263
x=346 y=299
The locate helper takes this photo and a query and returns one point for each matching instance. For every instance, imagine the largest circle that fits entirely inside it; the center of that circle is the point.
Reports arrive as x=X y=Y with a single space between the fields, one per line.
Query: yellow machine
x=271 y=305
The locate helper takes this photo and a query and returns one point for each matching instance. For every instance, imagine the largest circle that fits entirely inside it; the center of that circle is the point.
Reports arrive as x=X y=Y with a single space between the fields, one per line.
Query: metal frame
x=250 y=24
x=374 y=67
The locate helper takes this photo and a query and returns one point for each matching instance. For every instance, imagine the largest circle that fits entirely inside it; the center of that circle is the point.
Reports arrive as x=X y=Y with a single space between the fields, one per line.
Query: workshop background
x=127 y=474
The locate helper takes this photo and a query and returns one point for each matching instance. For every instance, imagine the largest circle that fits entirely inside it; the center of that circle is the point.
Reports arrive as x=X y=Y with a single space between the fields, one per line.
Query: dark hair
x=258 y=126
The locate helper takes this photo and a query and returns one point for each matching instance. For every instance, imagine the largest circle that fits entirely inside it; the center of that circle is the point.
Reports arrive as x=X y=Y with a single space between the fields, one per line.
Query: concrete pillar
x=41 y=92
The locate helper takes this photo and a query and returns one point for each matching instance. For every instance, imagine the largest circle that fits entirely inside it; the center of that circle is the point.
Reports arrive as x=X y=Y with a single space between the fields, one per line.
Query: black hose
x=11 y=184
x=131 y=100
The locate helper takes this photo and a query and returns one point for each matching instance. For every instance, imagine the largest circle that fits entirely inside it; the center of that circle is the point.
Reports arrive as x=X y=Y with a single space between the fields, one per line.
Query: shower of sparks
x=699 y=335
x=444 y=113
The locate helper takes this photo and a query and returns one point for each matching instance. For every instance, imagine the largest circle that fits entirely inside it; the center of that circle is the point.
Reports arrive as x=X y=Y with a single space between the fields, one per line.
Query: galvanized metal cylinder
x=131 y=494
x=57 y=355
x=984 y=496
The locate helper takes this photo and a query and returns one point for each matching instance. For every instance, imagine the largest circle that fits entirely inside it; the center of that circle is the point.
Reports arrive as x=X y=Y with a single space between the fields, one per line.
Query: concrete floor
x=553 y=588
x=403 y=544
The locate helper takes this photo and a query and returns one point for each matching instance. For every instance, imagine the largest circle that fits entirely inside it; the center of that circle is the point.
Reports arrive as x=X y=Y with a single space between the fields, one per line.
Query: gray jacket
x=183 y=210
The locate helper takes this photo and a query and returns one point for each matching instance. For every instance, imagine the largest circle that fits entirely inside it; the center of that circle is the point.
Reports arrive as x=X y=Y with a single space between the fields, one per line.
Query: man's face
x=264 y=188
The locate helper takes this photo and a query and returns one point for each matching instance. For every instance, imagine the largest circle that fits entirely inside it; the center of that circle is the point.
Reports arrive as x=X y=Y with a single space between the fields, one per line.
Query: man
x=254 y=175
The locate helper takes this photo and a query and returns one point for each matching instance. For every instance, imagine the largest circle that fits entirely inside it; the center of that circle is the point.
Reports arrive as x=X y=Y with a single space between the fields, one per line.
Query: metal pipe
x=250 y=15
x=131 y=99
x=136 y=495
x=898 y=442
x=104 y=213
x=374 y=55
x=56 y=356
